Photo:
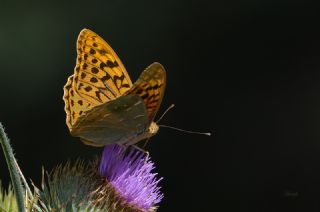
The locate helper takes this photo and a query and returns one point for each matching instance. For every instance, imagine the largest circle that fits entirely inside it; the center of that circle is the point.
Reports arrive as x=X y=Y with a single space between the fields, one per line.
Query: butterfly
x=102 y=105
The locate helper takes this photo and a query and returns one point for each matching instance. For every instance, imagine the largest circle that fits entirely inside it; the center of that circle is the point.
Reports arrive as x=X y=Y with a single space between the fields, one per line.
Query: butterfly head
x=153 y=129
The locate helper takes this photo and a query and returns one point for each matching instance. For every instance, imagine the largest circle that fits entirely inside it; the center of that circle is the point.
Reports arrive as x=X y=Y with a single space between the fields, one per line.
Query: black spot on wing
x=93 y=80
x=88 y=88
x=144 y=96
x=80 y=86
x=112 y=64
x=98 y=95
x=125 y=86
x=102 y=51
x=92 y=51
x=102 y=65
x=156 y=86
x=106 y=77
x=94 y=70
x=116 y=78
x=68 y=87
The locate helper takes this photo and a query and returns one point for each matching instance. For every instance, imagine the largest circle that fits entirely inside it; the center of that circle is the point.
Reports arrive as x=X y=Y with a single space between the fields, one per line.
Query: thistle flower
x=129 y=171
x=122 y=181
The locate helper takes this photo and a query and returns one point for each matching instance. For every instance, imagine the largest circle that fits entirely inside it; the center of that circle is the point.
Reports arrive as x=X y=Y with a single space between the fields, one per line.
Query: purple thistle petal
x=131 y=175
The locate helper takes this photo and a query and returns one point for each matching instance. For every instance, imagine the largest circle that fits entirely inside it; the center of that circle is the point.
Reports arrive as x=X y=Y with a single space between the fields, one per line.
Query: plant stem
x=15 y=178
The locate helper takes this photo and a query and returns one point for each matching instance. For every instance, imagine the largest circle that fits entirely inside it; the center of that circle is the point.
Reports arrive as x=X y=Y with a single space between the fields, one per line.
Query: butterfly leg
x=141 y=150
x=145 y=143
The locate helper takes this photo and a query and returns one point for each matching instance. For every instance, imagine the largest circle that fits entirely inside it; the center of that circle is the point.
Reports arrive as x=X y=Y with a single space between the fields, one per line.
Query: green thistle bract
x=8 y=200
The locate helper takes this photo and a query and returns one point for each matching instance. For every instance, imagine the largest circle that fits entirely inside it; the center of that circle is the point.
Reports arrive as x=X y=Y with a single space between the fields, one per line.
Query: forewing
x=99 y=76
x=99 y=73
x=150 y=87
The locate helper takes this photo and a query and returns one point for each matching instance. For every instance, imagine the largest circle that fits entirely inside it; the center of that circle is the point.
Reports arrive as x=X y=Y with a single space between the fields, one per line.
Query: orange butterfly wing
x=150 y=87
x=99 y=77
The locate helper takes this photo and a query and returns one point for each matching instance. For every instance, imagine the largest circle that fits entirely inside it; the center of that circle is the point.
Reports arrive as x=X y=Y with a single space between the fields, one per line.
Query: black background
x=247 y=70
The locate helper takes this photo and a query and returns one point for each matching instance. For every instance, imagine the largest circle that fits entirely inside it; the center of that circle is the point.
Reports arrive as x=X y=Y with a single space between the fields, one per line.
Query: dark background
x=247 y=70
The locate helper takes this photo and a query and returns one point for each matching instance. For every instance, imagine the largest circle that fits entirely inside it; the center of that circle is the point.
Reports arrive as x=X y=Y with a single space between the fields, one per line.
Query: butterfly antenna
x=164 y=113
x=186 y=131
